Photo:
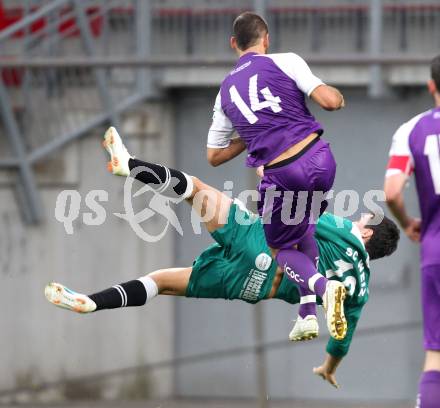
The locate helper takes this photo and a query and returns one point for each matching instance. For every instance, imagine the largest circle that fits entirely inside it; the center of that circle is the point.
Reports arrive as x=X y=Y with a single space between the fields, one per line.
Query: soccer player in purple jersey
x=416 y=148
x=263 y=100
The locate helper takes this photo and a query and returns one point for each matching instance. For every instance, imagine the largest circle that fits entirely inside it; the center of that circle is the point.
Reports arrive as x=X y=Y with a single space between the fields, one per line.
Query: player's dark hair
x=384 y=240
x=435 y=71
x=248 y=28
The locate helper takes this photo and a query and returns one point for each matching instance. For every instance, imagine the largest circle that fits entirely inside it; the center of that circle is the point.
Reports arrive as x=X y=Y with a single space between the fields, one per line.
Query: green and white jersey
x=239 y=266
x=342 y=257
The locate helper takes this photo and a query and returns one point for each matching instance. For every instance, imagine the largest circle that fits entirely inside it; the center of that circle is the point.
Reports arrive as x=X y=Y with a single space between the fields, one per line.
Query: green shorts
x=238 y=265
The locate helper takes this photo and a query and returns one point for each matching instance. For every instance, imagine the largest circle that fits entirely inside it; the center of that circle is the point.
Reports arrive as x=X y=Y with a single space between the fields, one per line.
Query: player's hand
x=260 y=171
x=342 y=103
x=326 y=376
x=413 y=229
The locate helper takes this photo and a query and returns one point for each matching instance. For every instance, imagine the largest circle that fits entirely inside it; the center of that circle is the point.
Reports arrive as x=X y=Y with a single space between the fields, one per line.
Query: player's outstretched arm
x=393 y=188
x=327 y=371
x=338 y=349
x=399 y=168
x=328 y=97
x=223 y=143
x=217 y=156
x=172 y=281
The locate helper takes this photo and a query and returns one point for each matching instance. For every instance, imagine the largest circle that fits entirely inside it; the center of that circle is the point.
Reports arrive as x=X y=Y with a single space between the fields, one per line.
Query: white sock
x=150 y=287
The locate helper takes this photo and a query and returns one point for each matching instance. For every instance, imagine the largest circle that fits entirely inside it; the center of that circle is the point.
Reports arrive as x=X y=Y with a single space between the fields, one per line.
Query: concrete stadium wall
x=383 y=365
x=40 y=343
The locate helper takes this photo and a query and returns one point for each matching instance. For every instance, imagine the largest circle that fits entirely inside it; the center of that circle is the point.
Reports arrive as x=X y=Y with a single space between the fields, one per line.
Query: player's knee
x=197 y=184
x=157 y=278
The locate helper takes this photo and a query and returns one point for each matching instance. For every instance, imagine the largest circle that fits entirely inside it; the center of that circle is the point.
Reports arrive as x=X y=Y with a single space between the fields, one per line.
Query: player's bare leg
x=210 y=204
x=172 y=282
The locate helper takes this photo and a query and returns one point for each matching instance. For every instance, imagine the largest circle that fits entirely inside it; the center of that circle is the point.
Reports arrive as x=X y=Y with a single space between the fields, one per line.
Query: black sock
x=131 y=293
x=162 y=178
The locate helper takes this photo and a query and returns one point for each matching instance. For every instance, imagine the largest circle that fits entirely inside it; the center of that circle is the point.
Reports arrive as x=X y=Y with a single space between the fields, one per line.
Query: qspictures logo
x=158 y=206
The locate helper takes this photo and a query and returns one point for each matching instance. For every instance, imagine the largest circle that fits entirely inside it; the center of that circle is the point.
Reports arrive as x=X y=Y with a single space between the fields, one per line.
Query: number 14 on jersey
x=270 y=101
x=432 y=151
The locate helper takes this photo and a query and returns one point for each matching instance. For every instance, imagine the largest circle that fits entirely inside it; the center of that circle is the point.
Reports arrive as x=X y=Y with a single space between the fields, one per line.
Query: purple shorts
x=291 y=194
x=431 y=306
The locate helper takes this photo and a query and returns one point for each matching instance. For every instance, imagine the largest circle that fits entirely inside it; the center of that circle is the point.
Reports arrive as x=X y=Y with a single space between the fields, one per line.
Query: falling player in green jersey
x=239 y=266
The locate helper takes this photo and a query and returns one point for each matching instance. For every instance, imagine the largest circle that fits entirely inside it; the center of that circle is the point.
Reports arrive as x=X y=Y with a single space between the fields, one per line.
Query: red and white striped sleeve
x=401 y=160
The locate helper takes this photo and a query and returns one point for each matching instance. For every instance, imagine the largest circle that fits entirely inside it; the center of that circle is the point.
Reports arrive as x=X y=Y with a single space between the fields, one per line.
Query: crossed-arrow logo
x=158 y=204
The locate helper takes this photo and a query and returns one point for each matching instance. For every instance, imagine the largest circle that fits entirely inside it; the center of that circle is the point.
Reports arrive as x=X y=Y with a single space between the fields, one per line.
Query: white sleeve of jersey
x=221 y=130
x=298 y=70
x=400 y=143
x=401 y=159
